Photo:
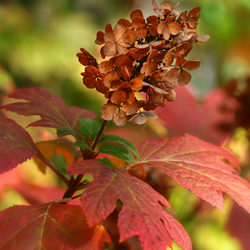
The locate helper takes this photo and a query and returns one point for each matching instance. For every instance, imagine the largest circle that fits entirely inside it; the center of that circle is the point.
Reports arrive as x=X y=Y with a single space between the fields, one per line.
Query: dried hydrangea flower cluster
x=144 y=56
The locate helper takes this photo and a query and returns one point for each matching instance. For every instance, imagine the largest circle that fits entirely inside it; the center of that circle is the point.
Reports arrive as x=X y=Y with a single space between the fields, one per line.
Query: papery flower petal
x=109 y=49
x=202 y=39
x=180 y=61
x=107 y=111
x=138 y=119
x=174 y=28
x=149 y=67
x=109 y=34
x=99 y=38
x=191 y=65
x=138 y=53
x=125 y=66
x=136 y=83
x=131 y=108
x=166 y=33
x=166 y=5
x=100 y=86
x=170 y=96
x=135 y=14
x=183 y=78
x=172 y=74
x=129 y=36
x=168 y=58
x=86 y=59
x=111 y=76
x=150 y=115
x=106 y=66
x=194 y=11
x=120 y=118
x=192 y=22
x=119 y=96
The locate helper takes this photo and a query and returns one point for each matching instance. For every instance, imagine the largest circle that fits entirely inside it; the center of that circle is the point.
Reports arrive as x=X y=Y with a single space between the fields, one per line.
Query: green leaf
x=65 y=131
x=119 y=152
x=82 y=144
x=59 y=163
x=89 y=128
x=118 y=139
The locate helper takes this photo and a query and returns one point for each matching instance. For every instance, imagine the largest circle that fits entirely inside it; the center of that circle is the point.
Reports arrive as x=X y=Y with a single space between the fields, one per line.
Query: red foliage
x=53 y=111
x=141 y=213
x=145 y=56
x=16 y=145
x=33 y=226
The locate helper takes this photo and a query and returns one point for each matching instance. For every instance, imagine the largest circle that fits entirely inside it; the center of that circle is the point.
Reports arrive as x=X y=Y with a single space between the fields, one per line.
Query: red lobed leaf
x=141 y=213
x=16 y=145
x=32 y=227
x=201 y=116
x=197 y=165
x=53 y=111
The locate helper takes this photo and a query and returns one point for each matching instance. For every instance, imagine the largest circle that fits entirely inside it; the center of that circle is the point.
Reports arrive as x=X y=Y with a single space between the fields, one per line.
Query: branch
x=62 y=177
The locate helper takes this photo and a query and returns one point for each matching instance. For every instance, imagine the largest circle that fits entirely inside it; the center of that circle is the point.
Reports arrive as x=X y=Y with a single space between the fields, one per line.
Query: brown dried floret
x=146 y=55
x=178 y=74
x=86 y=59
x=93 y=78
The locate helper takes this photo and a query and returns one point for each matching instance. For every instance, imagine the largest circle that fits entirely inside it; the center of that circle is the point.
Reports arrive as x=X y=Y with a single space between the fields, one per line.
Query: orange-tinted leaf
x=31 y=227
x=191 y=65
x=16 y=145
x=141 y=213
x=198 y=166
x=59 y=146
x=86 y=59
x=53 y=111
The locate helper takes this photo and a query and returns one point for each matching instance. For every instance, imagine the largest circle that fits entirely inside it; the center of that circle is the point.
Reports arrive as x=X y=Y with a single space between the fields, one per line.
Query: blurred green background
x=39 y=40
